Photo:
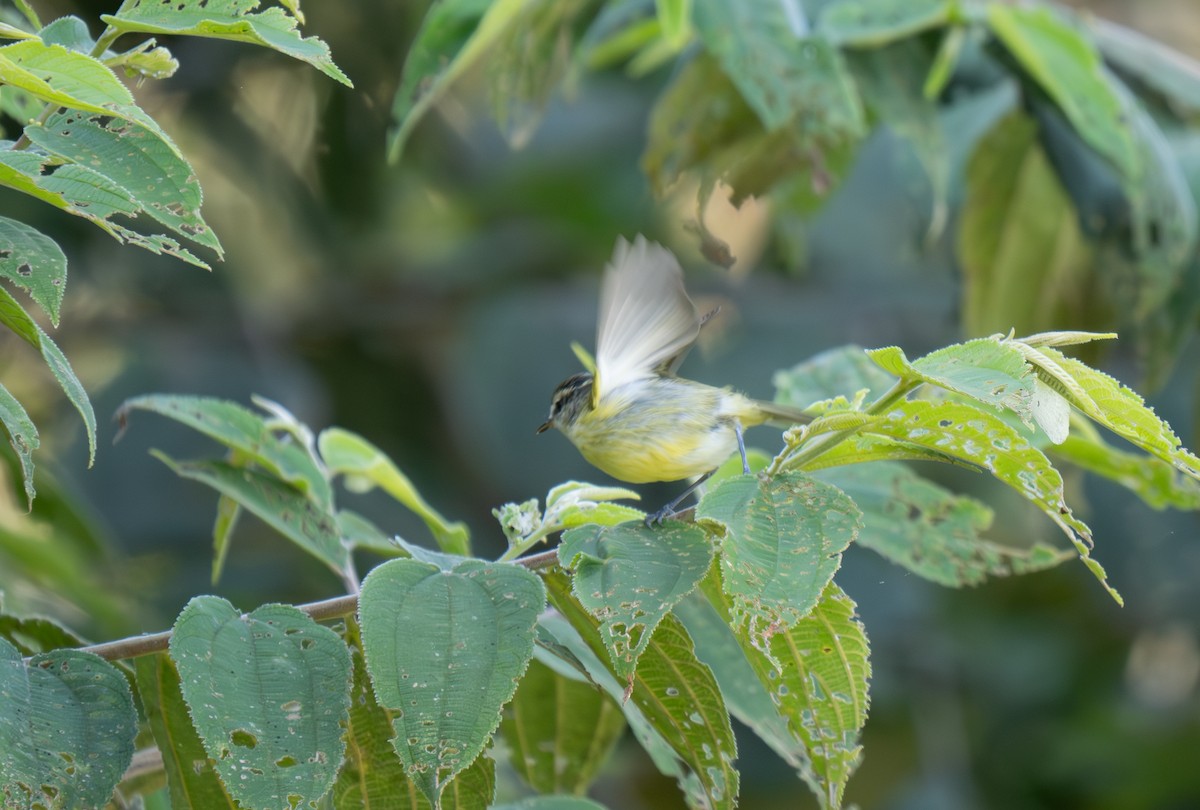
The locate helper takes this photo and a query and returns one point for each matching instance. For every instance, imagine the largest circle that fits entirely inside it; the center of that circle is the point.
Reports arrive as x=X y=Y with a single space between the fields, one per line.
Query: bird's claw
x=657 y=518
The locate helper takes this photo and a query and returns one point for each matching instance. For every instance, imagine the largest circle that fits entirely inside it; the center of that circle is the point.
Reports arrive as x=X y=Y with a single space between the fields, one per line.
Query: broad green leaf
x=862 y=448
x=159 y=180
x=789 y=79
x=835 y=372
x=784 y=542
x=192 y=779
x=35 y=263
x=817 y=673
x=22 y=435
x=1155 y=481
x=1025 y=262
x=931 y=531
x=530 y=59
x=236 y=20
x=630 y=576
x=1166 y=72
x=86 y=188
x=561 y=731
x=36 y=634
x=454 y=35
x=268 y=692
x=980 y=438
x=70 y=32
x=66 y=728
x=365 y=466
x=445 y=651
x=474 y=788
x=871 y=23
x=240 y=429
x=282 y=507
x=1065 y=64
x=358 y=532
x=988 y=370
x=676 y=695
x=1116 y=407
x=17 y=319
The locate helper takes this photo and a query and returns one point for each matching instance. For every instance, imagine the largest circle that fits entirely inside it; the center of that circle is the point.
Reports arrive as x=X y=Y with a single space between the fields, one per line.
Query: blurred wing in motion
x=647 y=322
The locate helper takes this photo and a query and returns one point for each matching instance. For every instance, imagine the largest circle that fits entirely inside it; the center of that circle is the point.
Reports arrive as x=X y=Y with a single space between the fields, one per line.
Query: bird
x=632 y=417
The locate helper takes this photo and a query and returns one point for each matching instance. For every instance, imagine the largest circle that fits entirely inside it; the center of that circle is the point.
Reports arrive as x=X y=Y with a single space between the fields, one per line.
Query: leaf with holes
x=192 y=779
x=268 y=693
x=66 y=728
x=22 y=435
x=561 y=731
x=839 y=372
x=630 y=576
x=273 y=27
x=35 y=263
x=445 y=651
x=784 y=542
x=983 y=439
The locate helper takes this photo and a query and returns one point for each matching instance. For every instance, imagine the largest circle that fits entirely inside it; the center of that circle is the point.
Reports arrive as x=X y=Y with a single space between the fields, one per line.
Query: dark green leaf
x=35 y=263
x=37 y=634
x=22 y=435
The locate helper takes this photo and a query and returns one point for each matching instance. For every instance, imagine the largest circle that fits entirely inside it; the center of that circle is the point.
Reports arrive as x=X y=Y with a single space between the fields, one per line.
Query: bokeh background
x=429 y=307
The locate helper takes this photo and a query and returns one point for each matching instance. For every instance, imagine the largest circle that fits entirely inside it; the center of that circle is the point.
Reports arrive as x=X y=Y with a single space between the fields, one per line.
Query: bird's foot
x=657 y=518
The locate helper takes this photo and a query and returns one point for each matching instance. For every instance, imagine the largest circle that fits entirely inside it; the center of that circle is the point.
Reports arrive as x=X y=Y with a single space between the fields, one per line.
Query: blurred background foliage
x=429 y=306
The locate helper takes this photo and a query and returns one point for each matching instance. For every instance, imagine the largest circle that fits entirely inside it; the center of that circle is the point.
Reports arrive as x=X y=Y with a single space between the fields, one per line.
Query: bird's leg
x=737 y=430
x=668 y=510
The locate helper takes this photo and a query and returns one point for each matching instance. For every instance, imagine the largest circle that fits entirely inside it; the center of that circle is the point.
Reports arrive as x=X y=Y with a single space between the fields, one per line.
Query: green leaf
x=630 y=576
x=454 y=35
x=17 y=319
x=1068 y=68
x=675 y=700
x=35 y=263
x=66 y=731
x=979 y=438
x=192 y=779
x=358 y=532
x=22 y=435
x=988 y=370
x=842 y=371
x=158 y=179
x=871 y=23
x=36 y=634
x=1155 y=481
x=268 y=693
x=1167 y=73
x=70 y=32
x=786 y=77
x=1025 y=262
x=228 y=512
x=236 y=20
x=817 y=673
x=1116 y=407
x=945 y=62
x=550 y=803
x=365 y=466
x=784 y=541
x=445 y=651
x=243 y=430
x=282 y=507
x=561 y=731
x=930 y=531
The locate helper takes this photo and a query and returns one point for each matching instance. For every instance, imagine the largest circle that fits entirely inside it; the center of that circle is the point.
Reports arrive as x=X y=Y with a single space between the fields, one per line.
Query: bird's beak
x=542 y=428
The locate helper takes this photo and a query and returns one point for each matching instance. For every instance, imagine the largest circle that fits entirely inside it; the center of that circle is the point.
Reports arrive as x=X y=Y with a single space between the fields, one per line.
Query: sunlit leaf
x=268 y=693
x=629 y=576
x=1157 y=482
x=445 y=651
x=66 y=728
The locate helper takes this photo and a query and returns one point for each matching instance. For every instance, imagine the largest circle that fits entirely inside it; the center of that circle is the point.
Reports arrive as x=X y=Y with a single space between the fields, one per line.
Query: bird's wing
x=647 y=320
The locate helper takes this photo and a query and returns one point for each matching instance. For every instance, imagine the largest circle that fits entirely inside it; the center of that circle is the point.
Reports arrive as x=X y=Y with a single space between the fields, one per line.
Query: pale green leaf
x=243 y=430
x=235 y=20
x=784 y=542
x=365 y=466
x=35 y=263
x=871 y=23
x=282 y=507
x=1068 y=68
x=445 y=651
x=154 y=63
x=192 y=779
x=561 y=731
x=228 y=511
x=673 y=704
x=1157 y=482
x=268 y=693
x=22 y=435
x=70 y=32
x=159 y=180
x=945 y=62
x=1167 y=72
x=1025 y=263
x=930 y=531
x=630 y=576
x=17 y=319
x=988 y=370
x=979 y=438
x=842 y=371
x=66 y=731
x=358 y=532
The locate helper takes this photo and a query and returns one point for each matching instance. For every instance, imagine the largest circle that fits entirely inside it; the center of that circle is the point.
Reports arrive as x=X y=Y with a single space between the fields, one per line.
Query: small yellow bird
x=634 y=419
